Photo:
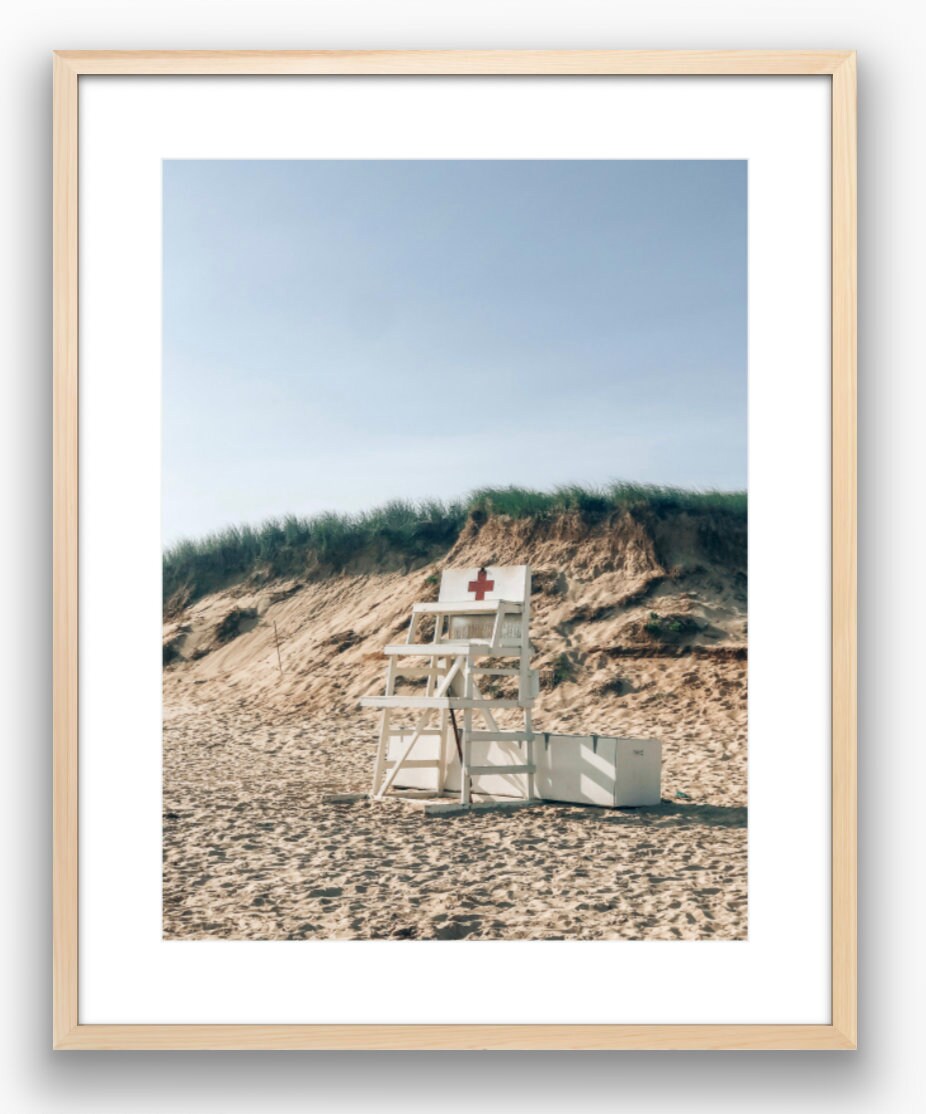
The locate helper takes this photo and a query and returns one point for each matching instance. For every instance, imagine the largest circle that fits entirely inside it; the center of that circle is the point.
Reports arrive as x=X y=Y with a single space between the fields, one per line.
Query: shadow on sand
x=675 y=814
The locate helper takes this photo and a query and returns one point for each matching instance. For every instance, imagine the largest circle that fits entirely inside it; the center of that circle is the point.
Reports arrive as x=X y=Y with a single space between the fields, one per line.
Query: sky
x=338 y=334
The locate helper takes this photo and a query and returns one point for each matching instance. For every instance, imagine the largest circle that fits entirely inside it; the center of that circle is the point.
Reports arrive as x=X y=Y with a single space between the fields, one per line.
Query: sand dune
x=636 y=633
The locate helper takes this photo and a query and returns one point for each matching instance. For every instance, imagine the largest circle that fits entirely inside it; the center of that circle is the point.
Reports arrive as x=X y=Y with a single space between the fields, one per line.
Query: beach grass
x=411 y=530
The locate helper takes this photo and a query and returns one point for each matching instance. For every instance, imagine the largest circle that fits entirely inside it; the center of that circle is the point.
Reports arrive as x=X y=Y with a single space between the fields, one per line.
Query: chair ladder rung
x=475 y=770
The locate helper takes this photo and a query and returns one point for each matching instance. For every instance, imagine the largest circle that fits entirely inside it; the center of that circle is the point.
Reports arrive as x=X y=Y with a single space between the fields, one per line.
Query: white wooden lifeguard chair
x=481 y=613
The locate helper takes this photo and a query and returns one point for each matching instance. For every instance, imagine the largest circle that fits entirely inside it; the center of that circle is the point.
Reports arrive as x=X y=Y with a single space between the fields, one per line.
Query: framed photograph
x=455 y=541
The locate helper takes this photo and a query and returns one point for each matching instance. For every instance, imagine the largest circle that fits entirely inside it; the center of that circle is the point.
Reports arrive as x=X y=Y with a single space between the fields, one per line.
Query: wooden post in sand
x=276 y=639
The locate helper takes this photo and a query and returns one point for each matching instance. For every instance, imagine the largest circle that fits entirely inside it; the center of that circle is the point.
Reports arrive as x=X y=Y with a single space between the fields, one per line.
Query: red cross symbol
x=480 y=585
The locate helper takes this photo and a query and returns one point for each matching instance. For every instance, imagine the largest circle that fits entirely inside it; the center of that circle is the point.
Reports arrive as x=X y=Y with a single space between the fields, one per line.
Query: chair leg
x=529 y=748
x=442 y=742
x=379 y=766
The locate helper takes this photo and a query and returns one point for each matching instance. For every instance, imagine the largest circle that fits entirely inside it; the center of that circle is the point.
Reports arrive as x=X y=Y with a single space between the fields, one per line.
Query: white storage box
x=597 y=770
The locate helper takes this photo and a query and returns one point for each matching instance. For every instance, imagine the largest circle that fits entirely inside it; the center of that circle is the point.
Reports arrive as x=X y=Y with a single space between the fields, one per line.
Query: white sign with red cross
x=490 y=582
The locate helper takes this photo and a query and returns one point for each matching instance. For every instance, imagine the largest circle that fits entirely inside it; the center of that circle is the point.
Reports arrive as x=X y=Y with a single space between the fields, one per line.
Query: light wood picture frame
x=840 y=1033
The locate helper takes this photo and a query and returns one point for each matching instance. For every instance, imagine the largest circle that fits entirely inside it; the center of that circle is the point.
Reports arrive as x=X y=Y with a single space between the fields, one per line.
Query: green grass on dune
x=412 y=531
x=521 y=502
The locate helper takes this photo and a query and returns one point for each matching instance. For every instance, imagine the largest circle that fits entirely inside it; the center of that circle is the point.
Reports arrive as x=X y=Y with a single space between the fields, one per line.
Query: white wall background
x=884 y=1073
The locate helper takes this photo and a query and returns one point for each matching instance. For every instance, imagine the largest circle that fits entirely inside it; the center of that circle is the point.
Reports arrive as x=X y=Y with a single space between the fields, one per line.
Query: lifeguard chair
x=481 y=614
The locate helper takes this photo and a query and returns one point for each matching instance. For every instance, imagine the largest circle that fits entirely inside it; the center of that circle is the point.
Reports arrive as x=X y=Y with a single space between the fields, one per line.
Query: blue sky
x=338 y=334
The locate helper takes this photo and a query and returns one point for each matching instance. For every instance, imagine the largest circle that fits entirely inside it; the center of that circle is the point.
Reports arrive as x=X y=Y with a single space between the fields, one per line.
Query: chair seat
x=478 y=648
x=467 y=607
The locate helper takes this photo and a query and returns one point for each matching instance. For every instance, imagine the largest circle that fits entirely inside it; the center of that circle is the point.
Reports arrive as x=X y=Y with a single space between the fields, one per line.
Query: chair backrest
x=492 y=582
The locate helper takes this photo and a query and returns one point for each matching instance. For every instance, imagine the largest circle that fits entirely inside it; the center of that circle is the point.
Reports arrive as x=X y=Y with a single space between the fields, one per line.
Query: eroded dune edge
x=640 y=627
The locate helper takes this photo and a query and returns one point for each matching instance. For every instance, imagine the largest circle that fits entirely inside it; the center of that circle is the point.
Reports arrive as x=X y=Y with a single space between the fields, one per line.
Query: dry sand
x=252 y=850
